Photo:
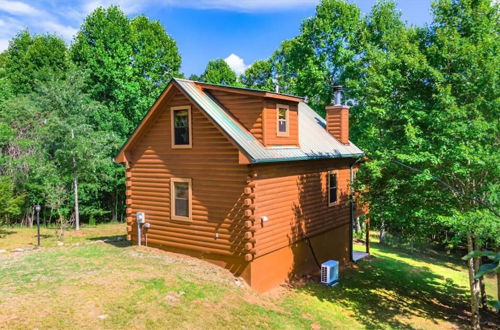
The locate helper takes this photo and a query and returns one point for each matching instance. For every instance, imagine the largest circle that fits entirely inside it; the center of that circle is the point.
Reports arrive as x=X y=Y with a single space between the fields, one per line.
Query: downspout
x=351 y=208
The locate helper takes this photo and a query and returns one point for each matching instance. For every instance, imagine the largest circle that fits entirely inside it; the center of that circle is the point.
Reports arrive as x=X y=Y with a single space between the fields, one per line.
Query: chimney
x=337 y=117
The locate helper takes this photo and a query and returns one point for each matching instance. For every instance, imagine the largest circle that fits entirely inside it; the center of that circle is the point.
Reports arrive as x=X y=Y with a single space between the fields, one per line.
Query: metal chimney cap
x=337 y=95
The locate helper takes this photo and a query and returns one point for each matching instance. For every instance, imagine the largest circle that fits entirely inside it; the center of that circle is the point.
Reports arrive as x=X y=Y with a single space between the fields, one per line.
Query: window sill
x=181 y=219
x=187 y=146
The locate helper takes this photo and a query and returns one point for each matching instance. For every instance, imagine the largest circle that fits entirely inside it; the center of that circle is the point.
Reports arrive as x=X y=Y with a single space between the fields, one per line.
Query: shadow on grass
x=115 y=240
x=386 y=292
x=4 y=232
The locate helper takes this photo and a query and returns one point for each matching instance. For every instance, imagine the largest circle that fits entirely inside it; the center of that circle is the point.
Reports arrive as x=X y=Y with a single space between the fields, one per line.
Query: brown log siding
x=245 y=108
x=218 y=182
x=270 y=124
x=294 y=198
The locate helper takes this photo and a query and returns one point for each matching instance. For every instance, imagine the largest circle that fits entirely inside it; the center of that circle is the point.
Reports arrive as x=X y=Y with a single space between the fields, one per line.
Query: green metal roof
x=314 y=140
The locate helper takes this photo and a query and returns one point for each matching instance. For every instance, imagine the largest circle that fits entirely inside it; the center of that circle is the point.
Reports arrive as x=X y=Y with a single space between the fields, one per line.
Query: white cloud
x=128 y=6
x=65 y=31
x=18 y=8
x=16 y=15
x=236 y=63
x=4 y=44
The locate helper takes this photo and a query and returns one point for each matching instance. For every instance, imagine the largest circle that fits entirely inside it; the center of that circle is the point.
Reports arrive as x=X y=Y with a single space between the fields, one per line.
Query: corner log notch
x=249 y=206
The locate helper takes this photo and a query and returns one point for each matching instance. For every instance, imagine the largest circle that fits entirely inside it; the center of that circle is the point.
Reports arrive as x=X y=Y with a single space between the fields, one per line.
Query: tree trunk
x=75 y=187
x=382 y=233
x=358 y=225
x=77 y=209
x=115 y=206
x=498 y=289
x=483 y=302
x=474 y=286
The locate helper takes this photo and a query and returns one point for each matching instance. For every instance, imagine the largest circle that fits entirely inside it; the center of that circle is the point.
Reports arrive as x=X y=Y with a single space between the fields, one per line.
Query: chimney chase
x=337 y=117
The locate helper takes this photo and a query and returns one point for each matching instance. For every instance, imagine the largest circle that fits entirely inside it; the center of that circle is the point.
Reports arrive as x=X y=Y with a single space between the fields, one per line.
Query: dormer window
x=181 y=127
x=283 y=124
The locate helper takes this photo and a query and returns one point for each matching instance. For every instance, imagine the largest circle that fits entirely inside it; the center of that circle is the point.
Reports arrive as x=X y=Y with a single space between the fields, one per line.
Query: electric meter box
x=141 y=218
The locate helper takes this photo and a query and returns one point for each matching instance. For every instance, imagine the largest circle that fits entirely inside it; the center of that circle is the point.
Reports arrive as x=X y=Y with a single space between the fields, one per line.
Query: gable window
x=282 y=120
x=181 y=127
x=332 y=188
x=180 y=207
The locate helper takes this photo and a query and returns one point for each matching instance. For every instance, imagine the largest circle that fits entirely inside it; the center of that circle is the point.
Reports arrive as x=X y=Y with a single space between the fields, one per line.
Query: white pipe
x=139 y=234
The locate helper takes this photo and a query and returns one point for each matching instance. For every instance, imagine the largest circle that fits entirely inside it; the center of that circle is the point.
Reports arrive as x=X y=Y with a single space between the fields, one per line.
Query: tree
x=156 y=60
x=219 y=72
x=464 y=47
x=78 y=148
x=129 y=63
x=259 y=75
x=10 y=205
x=316 y=60
x=33 y=58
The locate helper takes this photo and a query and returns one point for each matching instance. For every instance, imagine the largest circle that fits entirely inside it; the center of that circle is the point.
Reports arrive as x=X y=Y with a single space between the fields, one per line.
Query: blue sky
x=240 y=31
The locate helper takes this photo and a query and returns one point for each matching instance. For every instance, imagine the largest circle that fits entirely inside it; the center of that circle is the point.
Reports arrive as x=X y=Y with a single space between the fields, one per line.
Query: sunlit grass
x=25 y=237
x=122 y=286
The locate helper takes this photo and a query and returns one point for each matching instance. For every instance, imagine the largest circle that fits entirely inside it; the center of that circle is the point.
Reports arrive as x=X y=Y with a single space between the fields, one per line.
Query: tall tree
x=219 y=72
x=316 y=60
x=463 y=44
x=129 y=62
x=32 y=58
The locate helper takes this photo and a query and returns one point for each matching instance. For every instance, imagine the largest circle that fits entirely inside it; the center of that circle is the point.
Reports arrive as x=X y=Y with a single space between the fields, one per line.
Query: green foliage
x=10 y=205
x=218 y=72
x=425 y=111
x=259 y=75
x=31 y=59
x=129 y=63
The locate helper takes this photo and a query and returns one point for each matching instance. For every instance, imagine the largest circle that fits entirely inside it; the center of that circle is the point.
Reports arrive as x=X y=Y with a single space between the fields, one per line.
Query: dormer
x=271 y=117
x=280 y=123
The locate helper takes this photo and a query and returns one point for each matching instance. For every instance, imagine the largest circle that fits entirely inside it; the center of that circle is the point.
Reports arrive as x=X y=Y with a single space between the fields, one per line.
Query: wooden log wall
x=294 y=197
x=218 y=185
x=270 y=124
x=246 y=109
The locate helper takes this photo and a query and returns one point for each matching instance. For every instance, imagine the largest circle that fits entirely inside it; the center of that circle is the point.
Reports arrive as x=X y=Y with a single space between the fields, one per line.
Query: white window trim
x=285 y=106
x=189 y=218
x=172 y=135
x=337 y=187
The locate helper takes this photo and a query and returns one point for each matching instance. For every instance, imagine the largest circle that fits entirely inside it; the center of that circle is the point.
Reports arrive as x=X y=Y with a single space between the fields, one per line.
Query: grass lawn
x=24 y=237
x=115 y=285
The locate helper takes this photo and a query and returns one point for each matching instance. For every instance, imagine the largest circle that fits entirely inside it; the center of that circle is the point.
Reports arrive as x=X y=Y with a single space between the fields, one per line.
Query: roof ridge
x=238 y=88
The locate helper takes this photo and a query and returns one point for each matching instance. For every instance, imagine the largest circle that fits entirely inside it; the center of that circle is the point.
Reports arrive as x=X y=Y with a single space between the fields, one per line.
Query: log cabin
x=254 y=181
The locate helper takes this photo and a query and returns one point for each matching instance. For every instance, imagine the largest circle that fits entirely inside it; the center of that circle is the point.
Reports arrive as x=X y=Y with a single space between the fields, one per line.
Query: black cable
x=312 y=251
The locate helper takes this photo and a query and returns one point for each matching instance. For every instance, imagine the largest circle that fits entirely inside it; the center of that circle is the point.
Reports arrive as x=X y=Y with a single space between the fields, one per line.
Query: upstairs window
x=180 y=199
x=181 y=127
x=332 y=188
x=282 y=120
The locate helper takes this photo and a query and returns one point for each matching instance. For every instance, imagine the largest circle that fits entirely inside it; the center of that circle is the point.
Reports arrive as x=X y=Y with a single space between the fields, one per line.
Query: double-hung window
x=282 y=120
x=181 y=127
x=180 y=191
x=332 y=188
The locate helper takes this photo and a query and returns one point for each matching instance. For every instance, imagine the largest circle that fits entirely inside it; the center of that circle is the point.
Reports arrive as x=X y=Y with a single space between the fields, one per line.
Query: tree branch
x=450 y=187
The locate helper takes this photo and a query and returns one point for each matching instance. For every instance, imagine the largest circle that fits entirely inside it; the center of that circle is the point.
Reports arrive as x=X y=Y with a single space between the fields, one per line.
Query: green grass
x=24 y=237
x=115 y=285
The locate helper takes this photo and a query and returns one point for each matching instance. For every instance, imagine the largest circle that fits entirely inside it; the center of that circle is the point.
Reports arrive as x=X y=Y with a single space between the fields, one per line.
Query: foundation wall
x=281 y=265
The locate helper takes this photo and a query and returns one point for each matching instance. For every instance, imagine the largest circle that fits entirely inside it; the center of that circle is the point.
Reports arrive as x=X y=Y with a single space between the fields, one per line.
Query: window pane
x=333 y=195
x=282 y=126
x=282 y=120
x=181 y=207
x=181 y=127
x=282 y=113
x=181 y=199
x=332 y=188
